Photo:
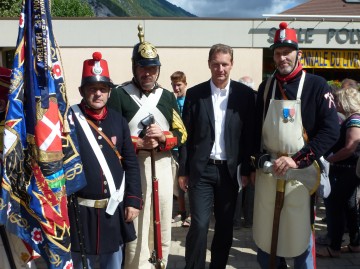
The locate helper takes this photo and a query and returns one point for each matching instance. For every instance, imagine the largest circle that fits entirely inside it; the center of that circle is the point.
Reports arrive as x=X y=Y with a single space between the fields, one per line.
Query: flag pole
x=78 y=224
x=7 y=247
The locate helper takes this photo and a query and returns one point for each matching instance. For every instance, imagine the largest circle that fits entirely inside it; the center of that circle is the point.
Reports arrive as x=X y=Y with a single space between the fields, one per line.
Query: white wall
x=192 y=61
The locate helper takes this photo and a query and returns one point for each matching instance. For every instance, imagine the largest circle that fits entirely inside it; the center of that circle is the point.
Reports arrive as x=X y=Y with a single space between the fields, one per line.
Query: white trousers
x=138 y=252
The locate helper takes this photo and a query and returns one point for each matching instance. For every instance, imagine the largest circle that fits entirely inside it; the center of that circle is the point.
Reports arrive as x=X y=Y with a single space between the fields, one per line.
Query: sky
x=235 y=8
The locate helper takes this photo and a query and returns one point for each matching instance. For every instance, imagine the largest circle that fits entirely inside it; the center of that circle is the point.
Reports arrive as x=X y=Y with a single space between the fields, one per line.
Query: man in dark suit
x=218 y=115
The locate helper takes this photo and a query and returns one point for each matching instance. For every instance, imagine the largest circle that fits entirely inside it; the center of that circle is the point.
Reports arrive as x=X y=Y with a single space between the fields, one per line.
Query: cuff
x=134 y=201
x=170 y=142
x=304 y=158
x=134 y=140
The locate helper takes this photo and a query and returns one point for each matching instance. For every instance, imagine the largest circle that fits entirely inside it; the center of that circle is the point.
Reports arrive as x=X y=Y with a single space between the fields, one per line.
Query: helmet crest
x=144 y=53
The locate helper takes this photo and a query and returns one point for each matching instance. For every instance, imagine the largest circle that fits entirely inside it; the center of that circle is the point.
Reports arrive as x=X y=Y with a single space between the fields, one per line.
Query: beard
x=286 y=69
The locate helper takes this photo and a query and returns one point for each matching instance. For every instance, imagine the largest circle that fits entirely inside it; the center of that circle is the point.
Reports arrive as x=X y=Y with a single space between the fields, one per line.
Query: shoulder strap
x=266 y=92
x=146 y=105
x=95 y=147
x=111 y=144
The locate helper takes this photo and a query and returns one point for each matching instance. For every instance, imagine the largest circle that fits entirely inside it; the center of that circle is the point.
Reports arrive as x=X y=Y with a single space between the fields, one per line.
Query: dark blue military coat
x=104 y=233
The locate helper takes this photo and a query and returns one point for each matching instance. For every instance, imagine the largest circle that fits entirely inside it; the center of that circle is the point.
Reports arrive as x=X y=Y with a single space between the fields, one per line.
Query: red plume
x=283 y=25
x=97 y=56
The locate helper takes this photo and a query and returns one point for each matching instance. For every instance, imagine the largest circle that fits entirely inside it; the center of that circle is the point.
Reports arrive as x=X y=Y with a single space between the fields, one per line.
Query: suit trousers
x=215 y=191
x=138 y=252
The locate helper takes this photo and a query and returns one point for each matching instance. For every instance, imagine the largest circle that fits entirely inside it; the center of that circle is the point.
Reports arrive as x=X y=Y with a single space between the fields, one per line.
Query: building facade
x=330 y=45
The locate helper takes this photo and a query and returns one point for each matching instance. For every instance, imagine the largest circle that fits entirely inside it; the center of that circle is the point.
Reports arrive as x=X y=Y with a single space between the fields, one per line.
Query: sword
x=7 y=247
x=156 y=255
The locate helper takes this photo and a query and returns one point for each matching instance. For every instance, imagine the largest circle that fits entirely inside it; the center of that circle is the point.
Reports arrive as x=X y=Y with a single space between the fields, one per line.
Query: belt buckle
x=213 y=161
x=100 y=203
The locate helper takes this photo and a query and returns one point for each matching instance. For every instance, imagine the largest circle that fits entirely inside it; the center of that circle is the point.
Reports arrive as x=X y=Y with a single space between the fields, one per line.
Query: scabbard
x=279 y=203
x=7 y=247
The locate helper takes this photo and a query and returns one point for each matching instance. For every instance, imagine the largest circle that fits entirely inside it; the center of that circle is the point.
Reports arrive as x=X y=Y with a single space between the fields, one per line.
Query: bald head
x=248 y=81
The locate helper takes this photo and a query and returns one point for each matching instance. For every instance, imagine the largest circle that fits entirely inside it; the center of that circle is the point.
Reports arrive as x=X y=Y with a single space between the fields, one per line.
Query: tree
x=71 y=8
x=10 y=8
x=59 y=8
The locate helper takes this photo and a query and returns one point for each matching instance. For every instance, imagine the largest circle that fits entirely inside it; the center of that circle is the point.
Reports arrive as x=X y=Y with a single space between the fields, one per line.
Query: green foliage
x=144 y=8
x=115 y=7
x=71 y=8
x=10 y=8
x=59 y=8
x=162 y=8
x=334 y=84
x=81 y=8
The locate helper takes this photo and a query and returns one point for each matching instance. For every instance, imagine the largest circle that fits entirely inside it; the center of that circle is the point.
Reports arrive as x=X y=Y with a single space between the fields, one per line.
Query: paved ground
x=243 y=251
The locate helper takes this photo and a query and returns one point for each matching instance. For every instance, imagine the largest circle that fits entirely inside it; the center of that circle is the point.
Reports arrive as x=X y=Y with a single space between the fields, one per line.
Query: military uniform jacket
x=318 y=112
x=121 y=101
x=104 y=233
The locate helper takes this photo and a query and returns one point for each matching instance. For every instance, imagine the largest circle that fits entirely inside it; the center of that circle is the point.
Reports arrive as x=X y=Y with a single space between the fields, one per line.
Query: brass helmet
x=144 y=53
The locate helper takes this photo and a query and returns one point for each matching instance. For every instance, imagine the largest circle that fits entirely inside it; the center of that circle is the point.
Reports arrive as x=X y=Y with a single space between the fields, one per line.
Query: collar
x=156 y=85
x=90 y=112
x=217 y=91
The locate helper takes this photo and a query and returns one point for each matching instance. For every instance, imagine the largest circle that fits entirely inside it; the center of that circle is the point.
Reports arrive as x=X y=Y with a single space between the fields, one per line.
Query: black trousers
x=215 y=192
x=341 y=204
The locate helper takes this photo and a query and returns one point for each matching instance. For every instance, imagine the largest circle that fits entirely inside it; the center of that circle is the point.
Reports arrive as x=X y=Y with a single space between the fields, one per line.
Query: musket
x=75 y=204
x=7 y=247
x=156 y=255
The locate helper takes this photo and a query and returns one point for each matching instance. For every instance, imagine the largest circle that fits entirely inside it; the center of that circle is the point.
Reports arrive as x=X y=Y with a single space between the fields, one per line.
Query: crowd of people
x=229 y=148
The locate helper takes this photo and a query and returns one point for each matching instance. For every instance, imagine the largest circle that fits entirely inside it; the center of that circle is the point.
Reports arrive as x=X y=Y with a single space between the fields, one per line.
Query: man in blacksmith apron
x=297 y=124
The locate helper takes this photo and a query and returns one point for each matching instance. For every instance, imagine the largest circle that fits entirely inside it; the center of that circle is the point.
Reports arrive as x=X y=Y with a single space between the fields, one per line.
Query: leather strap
x=106 y=139
x=95 y=147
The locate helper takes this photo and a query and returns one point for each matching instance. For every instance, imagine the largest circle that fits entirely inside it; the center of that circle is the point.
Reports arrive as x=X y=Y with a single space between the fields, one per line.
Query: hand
x=154 y=131
x=131 y=213
x=183 y=183
x=282 y=164
x=147 y=143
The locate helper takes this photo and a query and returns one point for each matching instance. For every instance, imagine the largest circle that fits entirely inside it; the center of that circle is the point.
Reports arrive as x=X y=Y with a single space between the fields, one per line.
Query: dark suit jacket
x=198 y=117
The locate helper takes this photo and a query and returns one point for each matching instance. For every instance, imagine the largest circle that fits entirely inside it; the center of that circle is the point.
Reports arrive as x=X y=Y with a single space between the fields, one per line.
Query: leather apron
x=282 y=134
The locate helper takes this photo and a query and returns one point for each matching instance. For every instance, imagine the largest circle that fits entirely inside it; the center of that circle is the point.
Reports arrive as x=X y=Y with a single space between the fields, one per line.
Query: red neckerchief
x=290 y=76
x=90 y=112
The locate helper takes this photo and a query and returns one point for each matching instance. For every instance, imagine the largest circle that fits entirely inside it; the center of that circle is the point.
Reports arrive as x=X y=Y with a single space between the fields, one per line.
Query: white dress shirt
x=219 y=100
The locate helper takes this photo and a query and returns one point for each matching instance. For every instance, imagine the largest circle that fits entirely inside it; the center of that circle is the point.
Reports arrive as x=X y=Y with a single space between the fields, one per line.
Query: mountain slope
x=137 y=8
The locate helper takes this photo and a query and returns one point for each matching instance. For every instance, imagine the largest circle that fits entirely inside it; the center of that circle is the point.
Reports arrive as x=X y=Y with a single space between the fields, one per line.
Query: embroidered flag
x=40 y=152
